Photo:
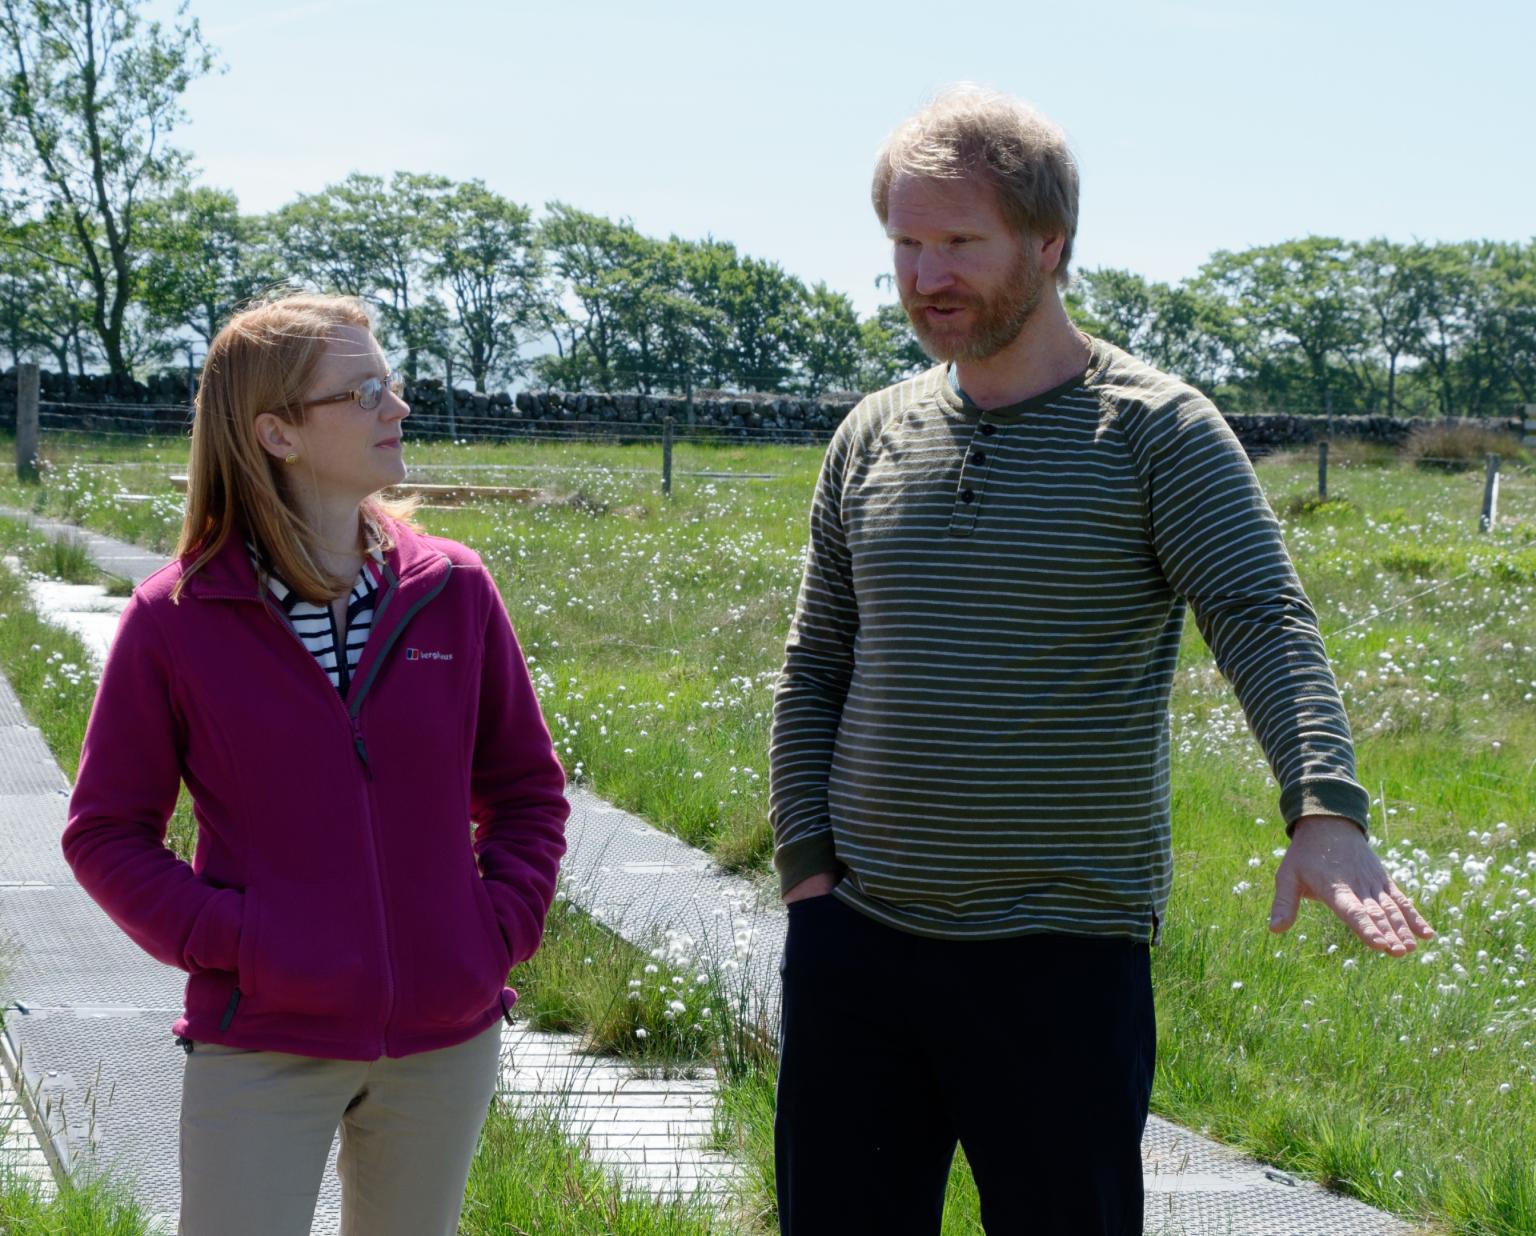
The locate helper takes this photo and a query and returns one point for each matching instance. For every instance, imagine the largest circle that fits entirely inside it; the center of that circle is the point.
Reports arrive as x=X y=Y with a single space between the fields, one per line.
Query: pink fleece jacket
x=340 y=903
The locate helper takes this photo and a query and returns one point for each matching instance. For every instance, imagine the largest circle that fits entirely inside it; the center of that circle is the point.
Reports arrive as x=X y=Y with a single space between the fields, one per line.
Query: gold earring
x=293 y=457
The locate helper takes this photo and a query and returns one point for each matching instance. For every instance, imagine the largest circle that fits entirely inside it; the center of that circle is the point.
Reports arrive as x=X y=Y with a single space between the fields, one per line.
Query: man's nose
x=933 y=273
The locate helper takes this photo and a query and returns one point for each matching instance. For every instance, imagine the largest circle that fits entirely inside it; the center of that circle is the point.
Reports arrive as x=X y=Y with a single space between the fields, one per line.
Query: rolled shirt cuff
x=1326 y=796
x=802 y=859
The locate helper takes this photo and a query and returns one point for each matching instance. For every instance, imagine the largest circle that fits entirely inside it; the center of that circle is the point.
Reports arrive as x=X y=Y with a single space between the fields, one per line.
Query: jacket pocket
x=250 y=930
x=492 y=926
x=307 y=954
x=457 y=964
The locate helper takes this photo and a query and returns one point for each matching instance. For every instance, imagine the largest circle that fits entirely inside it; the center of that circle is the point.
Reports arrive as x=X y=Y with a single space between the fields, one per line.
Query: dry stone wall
x=160 y=404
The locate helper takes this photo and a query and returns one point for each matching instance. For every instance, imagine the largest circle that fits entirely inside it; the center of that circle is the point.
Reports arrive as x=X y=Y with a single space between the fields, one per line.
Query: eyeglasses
x=367 y=394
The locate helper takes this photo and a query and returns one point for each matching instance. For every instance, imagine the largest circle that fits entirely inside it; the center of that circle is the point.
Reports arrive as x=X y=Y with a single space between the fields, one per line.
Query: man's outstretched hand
x=1331 y=861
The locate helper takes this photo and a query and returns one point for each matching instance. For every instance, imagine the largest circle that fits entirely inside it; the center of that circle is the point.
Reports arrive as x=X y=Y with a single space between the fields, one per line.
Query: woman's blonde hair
x=971 y=132
x=262 y=361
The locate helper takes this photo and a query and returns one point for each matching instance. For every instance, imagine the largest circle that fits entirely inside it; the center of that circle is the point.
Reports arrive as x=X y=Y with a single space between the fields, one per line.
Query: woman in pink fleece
x=380 y=812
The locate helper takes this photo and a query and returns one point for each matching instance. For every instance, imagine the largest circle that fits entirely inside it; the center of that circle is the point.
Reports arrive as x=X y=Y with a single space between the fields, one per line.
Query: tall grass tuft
x=666 y=1007
x=1459 y=448
x=528 y=1176
x=94 y=1208
x=64 y=557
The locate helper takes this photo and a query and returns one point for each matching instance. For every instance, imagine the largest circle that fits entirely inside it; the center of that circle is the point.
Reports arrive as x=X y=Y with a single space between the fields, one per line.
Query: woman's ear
x=276 y=435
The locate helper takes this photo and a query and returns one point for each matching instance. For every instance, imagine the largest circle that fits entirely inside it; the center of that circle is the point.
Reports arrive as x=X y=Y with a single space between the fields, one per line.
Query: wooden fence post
x=191 y=385
x=666 y=458
x=28 y=387
x=1322 y=471
x=1490 y=496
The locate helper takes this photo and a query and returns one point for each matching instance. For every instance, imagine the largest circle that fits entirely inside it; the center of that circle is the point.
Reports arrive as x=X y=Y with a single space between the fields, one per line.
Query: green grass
x=66 y=558
x=667 y=1007
x=97 y=1208
x=529 y=1177
x=47 y=667
x=654 y=629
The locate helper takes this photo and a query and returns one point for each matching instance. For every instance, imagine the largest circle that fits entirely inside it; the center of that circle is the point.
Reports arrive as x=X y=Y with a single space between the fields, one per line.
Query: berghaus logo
x=417 y=654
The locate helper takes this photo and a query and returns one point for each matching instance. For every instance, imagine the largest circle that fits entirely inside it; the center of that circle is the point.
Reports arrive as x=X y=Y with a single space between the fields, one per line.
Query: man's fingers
x=1387 y=939
x=1282 y=911
x=1342 y=873
x=1401 y=932
x=1417 y=923
x=1341 y=899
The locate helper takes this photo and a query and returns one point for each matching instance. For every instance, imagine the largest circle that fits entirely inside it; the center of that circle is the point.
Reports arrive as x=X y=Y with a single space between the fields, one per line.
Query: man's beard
x=997 y=323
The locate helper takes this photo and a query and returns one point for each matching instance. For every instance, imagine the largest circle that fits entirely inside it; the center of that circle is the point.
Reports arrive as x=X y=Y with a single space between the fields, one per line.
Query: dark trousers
x=1034 y=1053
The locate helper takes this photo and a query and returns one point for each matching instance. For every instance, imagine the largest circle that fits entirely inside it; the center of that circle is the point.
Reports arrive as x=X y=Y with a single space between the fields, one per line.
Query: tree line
x=1327 y=325
x=464 y=282
x=112 y=258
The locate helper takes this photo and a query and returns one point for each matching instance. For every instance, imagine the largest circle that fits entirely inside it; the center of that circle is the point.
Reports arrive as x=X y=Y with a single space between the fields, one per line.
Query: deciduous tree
x=206 y=258
x=371 y=238
x=488 y=261
x=89 y=91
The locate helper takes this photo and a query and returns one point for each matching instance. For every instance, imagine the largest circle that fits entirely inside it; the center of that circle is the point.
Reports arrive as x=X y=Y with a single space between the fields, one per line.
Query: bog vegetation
x=654 y=630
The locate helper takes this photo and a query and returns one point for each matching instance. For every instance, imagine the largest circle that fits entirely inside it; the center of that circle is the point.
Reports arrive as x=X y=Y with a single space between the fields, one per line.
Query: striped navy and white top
x=973 y=714
x=315 y=625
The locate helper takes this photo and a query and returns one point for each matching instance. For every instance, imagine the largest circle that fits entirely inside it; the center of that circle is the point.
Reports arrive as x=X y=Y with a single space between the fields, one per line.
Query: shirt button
x=978 y=457
x=967 y=495
x=989 y=429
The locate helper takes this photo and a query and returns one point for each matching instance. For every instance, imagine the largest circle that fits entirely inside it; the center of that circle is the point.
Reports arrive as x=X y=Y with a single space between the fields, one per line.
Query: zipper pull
x=229 y=1011
x=361 y=747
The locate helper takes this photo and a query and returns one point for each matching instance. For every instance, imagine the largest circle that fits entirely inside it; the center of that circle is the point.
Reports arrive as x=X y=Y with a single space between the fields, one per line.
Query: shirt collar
x=369 y=576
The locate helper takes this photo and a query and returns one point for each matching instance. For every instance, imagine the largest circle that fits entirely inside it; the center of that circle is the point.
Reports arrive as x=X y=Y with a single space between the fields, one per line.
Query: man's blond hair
x=970 y=132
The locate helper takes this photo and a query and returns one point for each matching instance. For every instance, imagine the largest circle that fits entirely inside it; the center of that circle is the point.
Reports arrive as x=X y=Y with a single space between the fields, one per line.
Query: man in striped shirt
x=969 y=757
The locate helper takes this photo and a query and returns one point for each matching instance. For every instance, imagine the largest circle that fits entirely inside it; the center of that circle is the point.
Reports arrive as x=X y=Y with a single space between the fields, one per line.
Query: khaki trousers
x=256 y=1128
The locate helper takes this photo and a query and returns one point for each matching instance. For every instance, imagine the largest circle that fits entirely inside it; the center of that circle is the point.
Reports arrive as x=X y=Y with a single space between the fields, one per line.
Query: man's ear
x=276 y=435
x=1049 y=251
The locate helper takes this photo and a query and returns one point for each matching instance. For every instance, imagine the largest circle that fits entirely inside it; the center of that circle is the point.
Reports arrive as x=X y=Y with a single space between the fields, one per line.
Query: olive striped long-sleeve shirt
x=972 y=720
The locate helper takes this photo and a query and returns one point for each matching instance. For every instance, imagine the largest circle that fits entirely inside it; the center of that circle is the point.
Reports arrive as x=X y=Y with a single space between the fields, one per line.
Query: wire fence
x=129 y=422
x=126 y=421
x=139 y=411
x=1506 y=498
x=68 y=422
x=77 y=424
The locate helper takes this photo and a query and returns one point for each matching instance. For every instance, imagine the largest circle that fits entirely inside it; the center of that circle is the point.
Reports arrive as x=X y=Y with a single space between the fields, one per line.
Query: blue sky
x=1199 y=125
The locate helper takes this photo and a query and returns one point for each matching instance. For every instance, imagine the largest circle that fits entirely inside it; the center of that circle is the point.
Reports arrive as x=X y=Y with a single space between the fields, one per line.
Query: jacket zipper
x=281 y=620
x=354 y=724
x=360 y=746
x=354 y=711
x=278 y=617
x=389 y=642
